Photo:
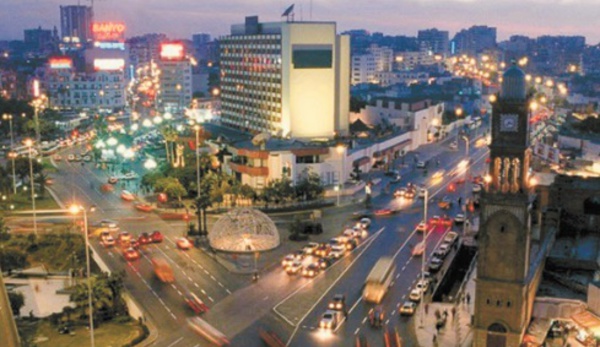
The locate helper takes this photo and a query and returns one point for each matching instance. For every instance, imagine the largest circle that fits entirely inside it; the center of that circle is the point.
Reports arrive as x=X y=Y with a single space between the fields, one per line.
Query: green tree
x=12 y=258
x=202 y=202
x=106 y=297
x=309 y=187
x=17 y=301
x=171 y=186
x=247 y=192
x=22 y=167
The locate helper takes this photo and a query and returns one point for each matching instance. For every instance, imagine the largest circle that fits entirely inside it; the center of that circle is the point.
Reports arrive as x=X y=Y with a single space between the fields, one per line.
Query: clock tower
x=503 y=301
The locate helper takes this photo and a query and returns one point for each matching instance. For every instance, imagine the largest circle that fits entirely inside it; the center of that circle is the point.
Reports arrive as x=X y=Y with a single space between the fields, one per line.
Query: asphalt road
x=239 y=308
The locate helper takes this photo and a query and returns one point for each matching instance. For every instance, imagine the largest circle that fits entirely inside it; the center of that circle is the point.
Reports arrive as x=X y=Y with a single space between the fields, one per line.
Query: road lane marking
x=211 y=299
x=355 y=304
x=367 y=245
x=228 y=291
x=364 y=320
x=196 y=284
x=175 y=342
x=356 y=331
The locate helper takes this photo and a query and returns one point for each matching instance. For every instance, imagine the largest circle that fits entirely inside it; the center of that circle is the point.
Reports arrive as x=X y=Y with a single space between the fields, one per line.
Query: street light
x=74 y=210
x=341 y=149
x=424 y=257
x=466 y=178
x=197 y=128
x=12 y=155
x=150 y=164
x=29 y=144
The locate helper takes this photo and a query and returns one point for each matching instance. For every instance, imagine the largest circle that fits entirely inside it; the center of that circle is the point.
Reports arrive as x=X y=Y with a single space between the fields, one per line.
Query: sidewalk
x=457 y=330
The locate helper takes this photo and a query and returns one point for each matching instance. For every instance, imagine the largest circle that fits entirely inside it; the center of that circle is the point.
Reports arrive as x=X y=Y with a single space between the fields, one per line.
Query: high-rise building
x=145 y=49
x=175 y=77
x=39 y=39
x=365 y=67
x=434 y=40
x=287 y=78
x=76 y=22
x=474 y=40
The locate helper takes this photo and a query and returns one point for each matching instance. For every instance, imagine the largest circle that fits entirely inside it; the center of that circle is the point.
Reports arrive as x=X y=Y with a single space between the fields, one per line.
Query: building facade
x=76 y=22
x=175 y=92
x=285 y=77
x=434 y=40
x=474 y=40
x=368 y=67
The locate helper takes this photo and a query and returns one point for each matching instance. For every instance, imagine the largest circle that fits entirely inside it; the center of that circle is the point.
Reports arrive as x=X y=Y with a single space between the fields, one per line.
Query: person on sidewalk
x=468 y=298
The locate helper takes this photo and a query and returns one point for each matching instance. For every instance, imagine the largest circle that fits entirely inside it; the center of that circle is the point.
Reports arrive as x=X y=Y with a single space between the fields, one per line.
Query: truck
x=163 y=270
x=379 y=280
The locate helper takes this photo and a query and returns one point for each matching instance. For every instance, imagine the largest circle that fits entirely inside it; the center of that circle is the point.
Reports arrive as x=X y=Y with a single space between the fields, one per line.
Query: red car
x=144 y=239
x=127 y=196
x=131 y=254
x=195 y=303
x=183 y=243
x=156 y=236
x=384 y=212
x=144 y=207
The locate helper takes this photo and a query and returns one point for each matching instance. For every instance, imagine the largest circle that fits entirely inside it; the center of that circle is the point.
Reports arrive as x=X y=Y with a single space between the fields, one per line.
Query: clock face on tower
x=509 y=123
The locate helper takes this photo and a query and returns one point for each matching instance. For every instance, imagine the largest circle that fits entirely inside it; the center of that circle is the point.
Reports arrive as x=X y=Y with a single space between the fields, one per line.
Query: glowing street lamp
x=112 y=141
x=150 y=164
x=29 y=143
x=147 y=123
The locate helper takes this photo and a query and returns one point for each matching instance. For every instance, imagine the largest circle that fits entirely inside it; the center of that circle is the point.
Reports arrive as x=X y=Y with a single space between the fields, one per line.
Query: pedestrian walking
x=468 y=298
x=459 y=201
x=426 y=308
x=453 y=311
x=434 y=339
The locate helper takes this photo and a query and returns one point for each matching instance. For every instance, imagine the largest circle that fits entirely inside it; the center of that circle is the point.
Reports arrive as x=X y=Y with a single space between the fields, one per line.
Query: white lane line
x=367 y=245
x=355 y=304
x=211 y=299
x=206 y=272
x=203 y=292
x=180 y=293
x=398 y=275
x=189 y=278
x=387 y=322
x=404 y=267
x=356 y=331
x=175 y=342
x=213 y=277
x=228 y=291
x=221 y=284
x=364 y=320
x=196 y=284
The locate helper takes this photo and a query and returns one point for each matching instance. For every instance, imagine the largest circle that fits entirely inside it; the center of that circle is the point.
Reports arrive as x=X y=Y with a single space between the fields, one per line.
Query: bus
x=23 y=151
x=379 y=280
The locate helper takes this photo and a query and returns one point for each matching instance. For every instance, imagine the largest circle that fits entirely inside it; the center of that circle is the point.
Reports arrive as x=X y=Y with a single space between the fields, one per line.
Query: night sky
x=182 y=18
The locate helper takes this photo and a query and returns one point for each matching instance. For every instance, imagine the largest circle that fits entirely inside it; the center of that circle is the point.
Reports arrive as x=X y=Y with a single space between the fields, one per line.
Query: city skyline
x=526 y=17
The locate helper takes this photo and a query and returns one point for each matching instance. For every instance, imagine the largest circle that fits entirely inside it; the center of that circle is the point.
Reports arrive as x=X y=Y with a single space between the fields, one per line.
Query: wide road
x=195 y=272
x=397 y=241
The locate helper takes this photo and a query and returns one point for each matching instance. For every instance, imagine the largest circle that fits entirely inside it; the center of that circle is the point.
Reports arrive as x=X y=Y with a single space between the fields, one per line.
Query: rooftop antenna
x=289 y=12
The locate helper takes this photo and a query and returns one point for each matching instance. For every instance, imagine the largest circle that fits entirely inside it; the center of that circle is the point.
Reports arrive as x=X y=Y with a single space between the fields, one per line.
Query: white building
x=410 y=60
x=103 y=89
x=369 y=67
x=286 y=78
x=175 y=92
x=420 y=116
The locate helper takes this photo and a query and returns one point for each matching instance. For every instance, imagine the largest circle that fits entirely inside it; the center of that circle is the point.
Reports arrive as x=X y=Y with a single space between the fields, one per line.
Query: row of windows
x=250 y=39
x=87 y=102
x=498 y=303
x=240 y=80
x=228 y=111
x=266 y=98
x=253 y=107
x=253 y=69
x=226 y=53
x=86 y=86
x=247 y=124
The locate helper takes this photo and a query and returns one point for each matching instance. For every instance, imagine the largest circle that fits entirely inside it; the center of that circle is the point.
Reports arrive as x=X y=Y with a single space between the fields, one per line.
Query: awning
x=361 y=161
x=392 y=149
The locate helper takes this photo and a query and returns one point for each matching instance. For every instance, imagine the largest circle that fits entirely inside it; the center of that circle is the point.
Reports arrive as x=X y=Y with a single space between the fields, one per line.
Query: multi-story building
x=365 y=67
x=412 y=59
x=76 y=22
x=41 y=40
x=474 y=40
x=144 y=49
x=175 y=77
x=285 y=78
x=102 y=89
x=434 y=40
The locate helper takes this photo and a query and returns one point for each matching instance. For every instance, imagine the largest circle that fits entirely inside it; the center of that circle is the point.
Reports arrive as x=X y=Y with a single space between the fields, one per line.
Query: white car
x=415 y=295
x=109 y=224
x=422 y=193
x=330 y=320
x=442 y=250
x=365 y=223
x=421 y=165
x=450 y=237
x=310 y=248
x=130 y=176
x=337 y=251
x=288 y=260
x=476 y=188
x=294 y=268
x=459 y=218
x=108 y=241
x=453 y=145
x=423 y=285
x=422 y=226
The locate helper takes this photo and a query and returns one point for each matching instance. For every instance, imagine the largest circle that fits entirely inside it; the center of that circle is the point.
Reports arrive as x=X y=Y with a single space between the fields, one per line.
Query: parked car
x=476 y=188
x=423 y=285
x=450 y=237
x=435 y=264
x=442 y=250
x=459 y=218
x=415 y=295
x=421 y=165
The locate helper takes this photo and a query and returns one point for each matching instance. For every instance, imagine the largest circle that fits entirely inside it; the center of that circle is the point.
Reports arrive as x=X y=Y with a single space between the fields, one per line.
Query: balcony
x=249 y=170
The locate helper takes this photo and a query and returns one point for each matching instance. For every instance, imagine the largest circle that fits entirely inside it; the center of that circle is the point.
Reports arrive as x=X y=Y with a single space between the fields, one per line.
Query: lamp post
x=9 y=117
x=341 y=149
x=197 y=128
x=466 y=178
x=29 y=144
x=424 y=257
x=75 y=209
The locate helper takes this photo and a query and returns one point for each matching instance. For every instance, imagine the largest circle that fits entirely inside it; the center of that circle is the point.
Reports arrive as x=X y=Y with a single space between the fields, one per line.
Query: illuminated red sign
x=109 y=64
x=108 y=31
x=172 y=51
x=60 y=63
